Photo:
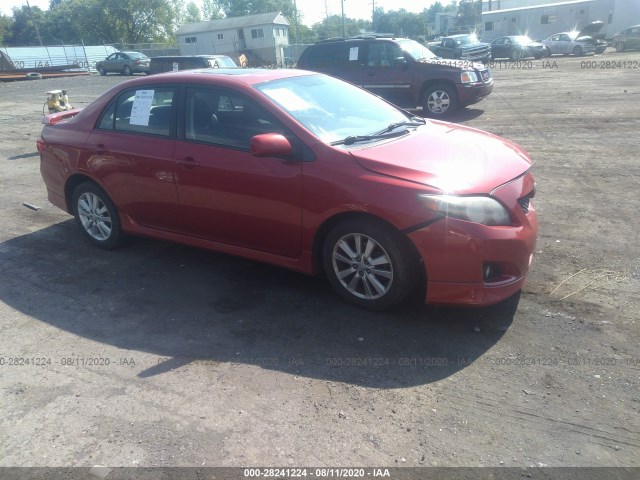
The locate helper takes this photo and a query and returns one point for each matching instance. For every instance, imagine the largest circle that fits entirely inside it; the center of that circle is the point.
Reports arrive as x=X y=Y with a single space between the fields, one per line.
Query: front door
x=386 y=73
x=226 y=194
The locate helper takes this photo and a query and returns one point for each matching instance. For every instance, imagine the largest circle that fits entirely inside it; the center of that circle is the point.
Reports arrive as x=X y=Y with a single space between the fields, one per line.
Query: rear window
x=146 y=111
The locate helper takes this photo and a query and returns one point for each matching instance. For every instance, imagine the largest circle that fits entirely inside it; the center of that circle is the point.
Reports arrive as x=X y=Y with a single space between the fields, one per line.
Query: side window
x=565 y=38
x=332 y=55
x=377 y=55
x=225 y=118
x=106 y=121
x=146 y=111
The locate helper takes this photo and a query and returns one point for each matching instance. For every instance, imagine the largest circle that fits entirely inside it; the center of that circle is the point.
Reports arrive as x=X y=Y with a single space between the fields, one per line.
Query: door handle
x=188 y=162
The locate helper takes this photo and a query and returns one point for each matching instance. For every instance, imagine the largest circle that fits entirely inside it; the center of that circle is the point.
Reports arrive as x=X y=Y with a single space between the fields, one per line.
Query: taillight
x=40 y=145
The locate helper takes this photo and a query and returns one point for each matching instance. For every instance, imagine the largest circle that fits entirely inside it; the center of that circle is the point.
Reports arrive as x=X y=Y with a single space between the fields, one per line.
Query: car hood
x=449 y=157
x=591 y=29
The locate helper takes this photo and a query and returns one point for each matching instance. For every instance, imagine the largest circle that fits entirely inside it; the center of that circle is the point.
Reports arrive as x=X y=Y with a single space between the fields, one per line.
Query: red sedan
x=300 y=170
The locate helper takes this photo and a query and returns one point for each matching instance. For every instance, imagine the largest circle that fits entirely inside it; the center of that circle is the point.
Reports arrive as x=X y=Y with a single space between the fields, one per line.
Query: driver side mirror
x=270 y=145
x=399 y=61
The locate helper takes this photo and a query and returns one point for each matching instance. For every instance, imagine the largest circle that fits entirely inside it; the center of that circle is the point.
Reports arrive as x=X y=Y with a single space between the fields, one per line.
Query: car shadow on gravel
x=188 y=305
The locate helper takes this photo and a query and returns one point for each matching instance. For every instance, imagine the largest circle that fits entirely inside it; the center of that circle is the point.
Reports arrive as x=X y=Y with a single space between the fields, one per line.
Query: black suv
x=402 y=71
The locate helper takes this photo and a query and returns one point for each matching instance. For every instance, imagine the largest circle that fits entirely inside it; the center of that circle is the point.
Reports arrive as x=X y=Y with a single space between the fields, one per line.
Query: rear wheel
x=369 y=264
x=577 y=51
x=439 y=101
x=127 y=70
x=620 y=47
x=97 y=216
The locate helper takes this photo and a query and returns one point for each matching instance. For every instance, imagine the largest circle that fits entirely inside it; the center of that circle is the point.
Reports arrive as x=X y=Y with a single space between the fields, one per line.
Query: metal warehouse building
x=542 y=18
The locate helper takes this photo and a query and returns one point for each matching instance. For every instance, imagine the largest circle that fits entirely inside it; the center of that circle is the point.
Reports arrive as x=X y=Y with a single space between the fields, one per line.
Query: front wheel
x=577 y=51
x=516 y=55
x=620 y=47
x=102 y=71
x=369 y=264
x=97 y=216
x=439 y=101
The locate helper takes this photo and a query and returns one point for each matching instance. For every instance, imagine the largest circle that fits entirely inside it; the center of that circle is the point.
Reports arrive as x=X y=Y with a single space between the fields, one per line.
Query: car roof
x=364 y=37
x=248 y=76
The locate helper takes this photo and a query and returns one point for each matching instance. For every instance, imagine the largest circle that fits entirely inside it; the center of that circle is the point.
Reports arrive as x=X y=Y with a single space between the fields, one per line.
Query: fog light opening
x=490 y=271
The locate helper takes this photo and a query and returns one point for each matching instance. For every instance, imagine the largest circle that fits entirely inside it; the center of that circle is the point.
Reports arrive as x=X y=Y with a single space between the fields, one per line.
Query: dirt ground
x=158 y=354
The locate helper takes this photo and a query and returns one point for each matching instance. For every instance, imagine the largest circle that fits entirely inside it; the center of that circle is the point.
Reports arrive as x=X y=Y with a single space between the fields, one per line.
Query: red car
x=300 y=170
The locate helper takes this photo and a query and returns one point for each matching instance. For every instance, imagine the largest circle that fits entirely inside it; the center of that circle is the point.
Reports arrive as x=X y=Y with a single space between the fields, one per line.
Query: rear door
x=226 y=194
x=498 y=48
x=344 y=60
x=131 y=152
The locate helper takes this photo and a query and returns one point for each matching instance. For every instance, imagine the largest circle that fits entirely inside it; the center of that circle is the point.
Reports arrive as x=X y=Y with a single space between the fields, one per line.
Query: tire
x=516 y=55
x=546 y=52
x=102 y=71
x=127 y=70
x=620 y=47
x=577 y=51
x=376 y=273
x=439 y=101
x=97 y=216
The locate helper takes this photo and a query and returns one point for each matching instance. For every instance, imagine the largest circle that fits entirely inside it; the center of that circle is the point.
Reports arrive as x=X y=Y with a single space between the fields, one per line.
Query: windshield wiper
x=417 y=121
x=350 y=140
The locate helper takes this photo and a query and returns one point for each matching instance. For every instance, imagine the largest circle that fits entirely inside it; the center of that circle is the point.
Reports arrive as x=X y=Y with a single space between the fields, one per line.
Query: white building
x=260 y=37
x=542 y=18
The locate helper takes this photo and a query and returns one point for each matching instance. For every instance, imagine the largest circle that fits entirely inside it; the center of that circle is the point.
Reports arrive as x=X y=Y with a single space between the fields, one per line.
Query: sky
x=312 y=10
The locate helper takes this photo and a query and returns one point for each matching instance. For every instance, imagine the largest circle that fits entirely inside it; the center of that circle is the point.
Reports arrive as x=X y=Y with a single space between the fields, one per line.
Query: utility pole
x=344 y=33
x=373 y=16
x=295 y=9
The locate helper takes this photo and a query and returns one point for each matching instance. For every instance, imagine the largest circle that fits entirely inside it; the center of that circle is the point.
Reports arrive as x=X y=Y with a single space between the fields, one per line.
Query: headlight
x=484 y=210
x=468 y=77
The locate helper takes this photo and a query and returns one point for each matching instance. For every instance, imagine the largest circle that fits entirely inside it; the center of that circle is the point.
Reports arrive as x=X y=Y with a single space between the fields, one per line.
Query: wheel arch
x=326 y=226
x=71 y=184
x=432 y=83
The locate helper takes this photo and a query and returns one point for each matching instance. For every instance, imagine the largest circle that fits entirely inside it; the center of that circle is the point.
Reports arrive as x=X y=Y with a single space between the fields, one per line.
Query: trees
x=6 y=24
x=469 y=13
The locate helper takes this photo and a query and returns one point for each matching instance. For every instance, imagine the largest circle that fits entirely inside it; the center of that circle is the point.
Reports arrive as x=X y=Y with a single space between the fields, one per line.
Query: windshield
x=416 y=50
x=330 y=108
x=466 y=39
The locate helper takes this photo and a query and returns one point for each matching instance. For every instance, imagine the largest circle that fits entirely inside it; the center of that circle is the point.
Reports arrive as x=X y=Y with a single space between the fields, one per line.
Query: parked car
x=577 y=43
x=402 y=71
x=628 y=39
x=517 y=47
x=189 y=62
x=304 y=171
x=463 y=47
x=125 y=63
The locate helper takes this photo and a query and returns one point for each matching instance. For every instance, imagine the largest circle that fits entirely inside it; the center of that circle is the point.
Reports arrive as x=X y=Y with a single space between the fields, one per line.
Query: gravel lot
x=158 y=354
